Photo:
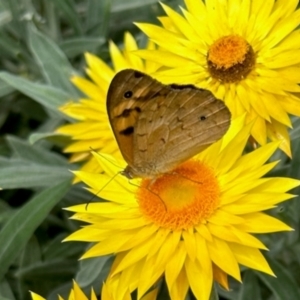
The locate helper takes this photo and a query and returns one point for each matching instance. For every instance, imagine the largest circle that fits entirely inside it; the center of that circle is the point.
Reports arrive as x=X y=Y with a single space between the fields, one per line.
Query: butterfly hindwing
x=185 y=122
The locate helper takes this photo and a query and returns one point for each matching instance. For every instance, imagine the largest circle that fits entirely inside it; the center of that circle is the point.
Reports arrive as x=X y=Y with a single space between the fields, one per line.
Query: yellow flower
x=246 y=52
x=75 y=294
x=91 y=129
x=192 y=226
x=106 y=294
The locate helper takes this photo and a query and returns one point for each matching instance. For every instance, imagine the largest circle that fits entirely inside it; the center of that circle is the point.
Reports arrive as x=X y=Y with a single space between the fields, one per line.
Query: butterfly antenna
x=113 y=163
x=105 y=185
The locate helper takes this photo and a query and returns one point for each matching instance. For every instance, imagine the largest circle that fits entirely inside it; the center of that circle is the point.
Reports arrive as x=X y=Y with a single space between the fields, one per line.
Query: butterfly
x=157 y=126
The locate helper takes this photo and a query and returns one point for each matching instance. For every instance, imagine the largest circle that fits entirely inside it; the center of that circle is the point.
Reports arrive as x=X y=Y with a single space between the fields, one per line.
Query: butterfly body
x=159 y=126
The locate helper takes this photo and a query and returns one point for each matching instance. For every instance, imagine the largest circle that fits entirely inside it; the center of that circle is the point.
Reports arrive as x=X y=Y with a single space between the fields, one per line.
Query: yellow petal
x=204 y=232
x=100 y=66
x=117 y=58
x=169 y=59
x=35 y=296
x=291 y=104
x=158 y=241
x=89 y=88
x=134 y=255
x=221 y=277
x=200 y=282
x=130 y=45
x=221 y=217
x=262 y=223
x=152 y=295
x=145 y=233
x=256 y=202
x=150 y=273
x=180 y=288
x=221 y=254
x=251 y=258
x=175 y=264
x=231 y=234
x=181 y=23
x=276 y=185
x=78 y=293
x=190 y=244
x=278 y=132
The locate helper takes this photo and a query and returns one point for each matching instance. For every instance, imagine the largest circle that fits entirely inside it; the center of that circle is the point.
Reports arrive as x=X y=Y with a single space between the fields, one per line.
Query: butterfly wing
x=159 y=126
x=127 y=95
x=184 y=121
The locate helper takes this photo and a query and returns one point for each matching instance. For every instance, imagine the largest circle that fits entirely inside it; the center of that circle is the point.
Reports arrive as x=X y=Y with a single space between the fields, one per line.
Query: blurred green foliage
x=41 y=45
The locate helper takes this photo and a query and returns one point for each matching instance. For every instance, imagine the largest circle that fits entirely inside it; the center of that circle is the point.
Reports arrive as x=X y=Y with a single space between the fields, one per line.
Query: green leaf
x=31 y=253
x=214 y=293
x=45 y=135
x=35 y=137
x=3 y=5
x=250 y=288
x=5 y=212
x=5 y=291
x=21 y=174
x=18 y=230
x=77 y=46
x=79 y=194
x=5 y=17
x=35 y=154
x=295 y=132
x=56 y=248
x=9 y=47
x=294 y=170
x=5 y=89
x=62 y=290
x=124 y=13
x=90 y=269
x=6 y=162
x=119 y=5
x=67 y=8
x=32 y=166
x=48 y=96
x=50 y=138
x=48 y=270
x=284 y=286
x=54 y=64
x=5 y=298
x=16 y=11
x=231 y=294
x=98 y=16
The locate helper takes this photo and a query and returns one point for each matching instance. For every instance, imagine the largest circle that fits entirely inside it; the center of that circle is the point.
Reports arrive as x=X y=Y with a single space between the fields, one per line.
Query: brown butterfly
x=159 y=126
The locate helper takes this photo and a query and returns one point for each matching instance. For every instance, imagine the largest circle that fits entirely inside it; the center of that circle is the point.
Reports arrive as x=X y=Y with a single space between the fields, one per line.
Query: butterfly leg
x=148 y=187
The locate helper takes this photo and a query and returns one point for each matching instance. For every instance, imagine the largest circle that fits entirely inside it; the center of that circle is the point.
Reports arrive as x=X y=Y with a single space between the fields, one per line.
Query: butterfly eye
x=128 y=94
x=202 y=118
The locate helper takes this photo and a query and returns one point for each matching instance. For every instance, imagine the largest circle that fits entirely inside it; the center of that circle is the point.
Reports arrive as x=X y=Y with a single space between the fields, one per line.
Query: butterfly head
x=148 y=171
x=128 y=173
x=132 y=172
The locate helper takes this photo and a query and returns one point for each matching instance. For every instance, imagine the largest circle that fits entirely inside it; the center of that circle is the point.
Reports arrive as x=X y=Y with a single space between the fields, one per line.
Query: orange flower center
x=230 y=59
x=182 y=199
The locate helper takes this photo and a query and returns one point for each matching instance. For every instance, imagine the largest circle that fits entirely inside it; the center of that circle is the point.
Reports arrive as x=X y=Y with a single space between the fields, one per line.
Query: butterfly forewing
x=160 y=126
x=127 y=94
